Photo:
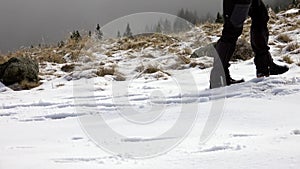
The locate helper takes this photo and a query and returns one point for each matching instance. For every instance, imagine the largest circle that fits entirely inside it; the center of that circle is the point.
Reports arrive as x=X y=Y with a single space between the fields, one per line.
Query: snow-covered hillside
x=157 y=99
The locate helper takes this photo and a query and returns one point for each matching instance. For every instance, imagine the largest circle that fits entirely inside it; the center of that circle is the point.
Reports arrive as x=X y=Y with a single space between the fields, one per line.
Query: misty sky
x=26 y=22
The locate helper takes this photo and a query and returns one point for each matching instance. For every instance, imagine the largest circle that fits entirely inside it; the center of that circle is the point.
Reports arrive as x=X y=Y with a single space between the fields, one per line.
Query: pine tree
x=147 y=29
x=72 y=36
x=181 y=13
x=219 y=18
x=167 y=26
x=78 y=36
x=209 y=17
x=181 y=22
x=98 y=32
x=128 y=32
x=75 y=35
x=295 y=3
x=277 y=9
x=158 y=28
x=61 y=44
x=196 y=18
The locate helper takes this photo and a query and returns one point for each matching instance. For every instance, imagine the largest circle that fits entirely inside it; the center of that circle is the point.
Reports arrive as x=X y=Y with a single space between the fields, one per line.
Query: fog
x=30 y=22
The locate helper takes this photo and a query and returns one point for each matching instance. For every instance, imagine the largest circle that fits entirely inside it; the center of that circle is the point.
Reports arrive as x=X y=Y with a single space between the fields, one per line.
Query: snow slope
x=258 y=127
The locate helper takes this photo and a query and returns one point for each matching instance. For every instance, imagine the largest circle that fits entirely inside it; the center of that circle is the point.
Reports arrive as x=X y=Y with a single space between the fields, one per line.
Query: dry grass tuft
x=197 y=64
x=184 y=59
x=140 y=68
x=212 y=29
x=150 y=69
x=109 y=53
x=143 y=41
x=119 y=77
x=173 y=50
x=24 y=85
x=50 y=53
x=3 y=59
x=243 y=50
x=106 y=70
x=283 y=38
x=68 y=68
x=112 y=71
x=292 y=46
x=288 y=59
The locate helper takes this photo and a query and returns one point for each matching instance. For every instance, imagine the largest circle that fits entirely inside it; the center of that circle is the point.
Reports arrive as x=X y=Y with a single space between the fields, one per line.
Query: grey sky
x=26 y=22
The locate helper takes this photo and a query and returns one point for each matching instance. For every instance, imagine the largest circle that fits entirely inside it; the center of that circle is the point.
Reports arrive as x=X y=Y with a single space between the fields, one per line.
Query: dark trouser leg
x=259 y=41
x=260 y=36
x=235 y=13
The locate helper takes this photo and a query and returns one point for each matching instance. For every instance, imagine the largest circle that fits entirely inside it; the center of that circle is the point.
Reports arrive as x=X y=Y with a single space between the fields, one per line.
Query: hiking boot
x=220 y=75
x=233 y=81
x=277 y=69
x=273 y=69
x=262 y=72
x=214 y=83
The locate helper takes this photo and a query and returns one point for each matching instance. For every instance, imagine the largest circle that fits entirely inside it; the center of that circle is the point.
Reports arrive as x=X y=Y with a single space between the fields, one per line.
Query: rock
x=208 y=50
x=18 y=69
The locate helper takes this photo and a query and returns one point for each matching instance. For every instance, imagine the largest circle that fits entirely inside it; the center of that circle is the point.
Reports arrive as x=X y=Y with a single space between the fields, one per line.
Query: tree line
x=185 y=20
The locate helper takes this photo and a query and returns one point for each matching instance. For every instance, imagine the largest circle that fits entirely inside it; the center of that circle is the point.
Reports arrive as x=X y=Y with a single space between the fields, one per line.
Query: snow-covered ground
x=250 y=125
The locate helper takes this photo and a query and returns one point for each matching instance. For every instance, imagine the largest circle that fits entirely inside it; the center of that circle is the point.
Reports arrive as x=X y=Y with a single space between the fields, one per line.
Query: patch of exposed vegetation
x=24 y=85
x=152 y=68
x=243 y=50
x=292 y=47
x=68 y=68
x=197 y=64
x=51 y=53
x=159 y=41
x=106 y=70
x=283 y=38
x=288 y=59
x=184 y=59
x=111 y=70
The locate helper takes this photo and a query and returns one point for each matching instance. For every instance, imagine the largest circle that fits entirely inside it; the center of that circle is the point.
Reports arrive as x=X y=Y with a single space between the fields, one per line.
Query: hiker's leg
x=235 y=13
x=259 y=41
x=260 y=35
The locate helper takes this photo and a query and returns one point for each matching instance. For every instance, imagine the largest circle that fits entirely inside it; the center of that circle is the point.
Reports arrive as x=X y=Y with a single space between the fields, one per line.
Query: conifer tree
x=219 y=18
x=158 y=28
x=128 y=32
x=147 y=29
x=98 y=32
x=167 y=26
x=75 y=35
x=78 y=36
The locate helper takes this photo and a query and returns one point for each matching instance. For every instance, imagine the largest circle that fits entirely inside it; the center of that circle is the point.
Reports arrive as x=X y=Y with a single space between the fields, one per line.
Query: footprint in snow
x=221 y=148
x=77 y=138
x=243 y=135
x=296 y=132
